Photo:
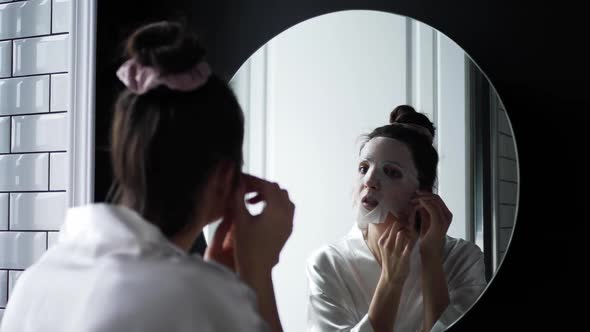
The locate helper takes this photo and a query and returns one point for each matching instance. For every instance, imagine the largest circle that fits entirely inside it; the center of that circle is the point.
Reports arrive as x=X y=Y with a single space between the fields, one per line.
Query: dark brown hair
x=412 y=128
x=165 y=143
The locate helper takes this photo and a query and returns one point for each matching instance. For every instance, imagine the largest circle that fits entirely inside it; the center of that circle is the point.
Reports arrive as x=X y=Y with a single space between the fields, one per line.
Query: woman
x=176 y=153
x=398 y=271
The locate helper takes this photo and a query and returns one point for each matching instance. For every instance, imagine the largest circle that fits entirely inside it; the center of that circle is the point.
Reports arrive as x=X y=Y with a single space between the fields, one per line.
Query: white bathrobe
x=113 y=271
x=343 y=276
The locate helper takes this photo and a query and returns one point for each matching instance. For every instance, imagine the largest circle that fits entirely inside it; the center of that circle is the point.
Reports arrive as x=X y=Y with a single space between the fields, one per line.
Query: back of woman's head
x=165 y=143
x=417 y=132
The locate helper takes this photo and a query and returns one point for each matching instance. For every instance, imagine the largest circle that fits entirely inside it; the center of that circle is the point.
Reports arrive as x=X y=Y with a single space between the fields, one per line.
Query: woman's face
x=386 y=175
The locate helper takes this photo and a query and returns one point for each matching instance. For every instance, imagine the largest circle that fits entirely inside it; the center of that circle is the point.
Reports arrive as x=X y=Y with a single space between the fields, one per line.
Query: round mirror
x=311 y=93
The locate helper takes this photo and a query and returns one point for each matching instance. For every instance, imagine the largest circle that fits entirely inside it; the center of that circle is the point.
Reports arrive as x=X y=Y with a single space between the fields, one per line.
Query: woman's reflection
x=398 y=270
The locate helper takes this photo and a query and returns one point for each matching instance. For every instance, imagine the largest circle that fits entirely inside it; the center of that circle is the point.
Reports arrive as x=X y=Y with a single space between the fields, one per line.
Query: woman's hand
x=395 y=247
x=241 y=240
x=259 y=239
x=435 y=220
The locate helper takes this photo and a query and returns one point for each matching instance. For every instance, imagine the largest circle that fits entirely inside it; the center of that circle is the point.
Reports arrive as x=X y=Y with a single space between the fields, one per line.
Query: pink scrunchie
x=141 y=79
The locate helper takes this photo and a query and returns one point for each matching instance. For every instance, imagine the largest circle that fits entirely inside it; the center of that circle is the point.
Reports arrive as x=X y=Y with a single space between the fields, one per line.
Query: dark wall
x=533 y=56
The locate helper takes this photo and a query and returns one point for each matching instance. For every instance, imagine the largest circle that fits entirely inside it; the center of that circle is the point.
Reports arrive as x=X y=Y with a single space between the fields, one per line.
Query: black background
x=534 y=55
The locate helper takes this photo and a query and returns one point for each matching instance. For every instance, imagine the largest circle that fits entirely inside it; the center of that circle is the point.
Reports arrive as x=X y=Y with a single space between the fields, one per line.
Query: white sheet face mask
x=386 y=174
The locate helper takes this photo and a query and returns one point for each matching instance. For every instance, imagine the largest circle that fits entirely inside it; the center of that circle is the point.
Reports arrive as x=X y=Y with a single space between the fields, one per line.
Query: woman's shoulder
x=457 y=246
x=186 y=279
x=336 y=253
x=463 y=258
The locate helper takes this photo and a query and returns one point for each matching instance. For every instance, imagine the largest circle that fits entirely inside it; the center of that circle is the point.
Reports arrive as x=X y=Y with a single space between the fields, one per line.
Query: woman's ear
x=225 y=179
x=219 y=188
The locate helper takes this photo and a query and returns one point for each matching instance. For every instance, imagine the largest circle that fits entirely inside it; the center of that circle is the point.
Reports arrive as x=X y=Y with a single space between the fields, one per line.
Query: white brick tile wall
x=58 y=171
x=60 y=92
x=18 y=250
x=24 y=95
x=26 y=59
x=37 y=211
x=38 y=133
x=24 y=19
x=25 y=172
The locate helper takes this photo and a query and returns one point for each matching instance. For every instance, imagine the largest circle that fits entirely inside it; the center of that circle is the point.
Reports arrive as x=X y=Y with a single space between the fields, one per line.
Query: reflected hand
x=395 y=246
x=435 y=221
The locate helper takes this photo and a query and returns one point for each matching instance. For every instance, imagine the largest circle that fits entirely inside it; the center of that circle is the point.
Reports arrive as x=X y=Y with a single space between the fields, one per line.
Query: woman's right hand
x=395 y=246
x=259 y=239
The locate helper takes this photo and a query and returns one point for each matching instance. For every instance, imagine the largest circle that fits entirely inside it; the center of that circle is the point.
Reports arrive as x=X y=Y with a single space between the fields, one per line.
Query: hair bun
x=405 y=114
x=167 y=46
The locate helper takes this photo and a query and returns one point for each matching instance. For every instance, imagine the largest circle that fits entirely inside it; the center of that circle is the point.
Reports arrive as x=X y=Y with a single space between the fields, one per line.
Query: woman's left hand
x=435 y=220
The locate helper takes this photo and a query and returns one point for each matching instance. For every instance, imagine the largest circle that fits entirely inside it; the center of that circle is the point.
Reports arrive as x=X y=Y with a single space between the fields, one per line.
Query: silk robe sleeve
x=466 y=279
x=330 y=304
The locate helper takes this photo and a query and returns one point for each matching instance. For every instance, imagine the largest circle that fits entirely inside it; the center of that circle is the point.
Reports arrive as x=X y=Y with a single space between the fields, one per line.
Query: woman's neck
x=372 y=235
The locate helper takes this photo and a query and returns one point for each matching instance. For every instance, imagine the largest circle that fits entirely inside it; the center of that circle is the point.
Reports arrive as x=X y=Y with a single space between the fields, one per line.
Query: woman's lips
x=369 y=203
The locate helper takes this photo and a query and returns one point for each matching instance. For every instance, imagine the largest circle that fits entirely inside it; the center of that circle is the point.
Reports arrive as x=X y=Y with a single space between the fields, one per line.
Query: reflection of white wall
x=311 y=92
x=453 y=131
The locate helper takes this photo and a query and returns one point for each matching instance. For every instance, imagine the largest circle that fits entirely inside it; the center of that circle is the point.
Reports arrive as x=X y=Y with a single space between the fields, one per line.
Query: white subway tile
x=507 y=192
x=5 y=58
x=5 y=134
x=52 y=238
x=36 y=133
x=26 y=172
x=3 y=288
x=507 y=215
x=507 y=169
x=58 y=171
x=12 y=279
x=24 y=95
x=41 y=55
x=62 y=15
x=503 y=123
x=37 y=211
x=506 y=146
x=3 y=211
x=60 y=92
x=25 y=19
x=18 y=250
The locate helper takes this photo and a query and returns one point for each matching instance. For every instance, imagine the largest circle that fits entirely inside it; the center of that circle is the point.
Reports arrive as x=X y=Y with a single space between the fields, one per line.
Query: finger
x=439 y=202
x=270 y=192
x=433 y=210
x=408 y=248
x=391 y=239
x=221 y=232
x=383 y=238
x=443 y=207
x=256 y=184
x=400 y=242
x=228 y=241
x=424 y=221
x=412 y=217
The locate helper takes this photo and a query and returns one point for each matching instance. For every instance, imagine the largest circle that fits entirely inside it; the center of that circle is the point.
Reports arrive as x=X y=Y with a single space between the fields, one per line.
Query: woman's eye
x=392 y=173
x=363 y=169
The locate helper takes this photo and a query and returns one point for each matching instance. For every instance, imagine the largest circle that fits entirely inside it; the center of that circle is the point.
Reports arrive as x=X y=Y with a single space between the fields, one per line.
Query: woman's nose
x=370 y=179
